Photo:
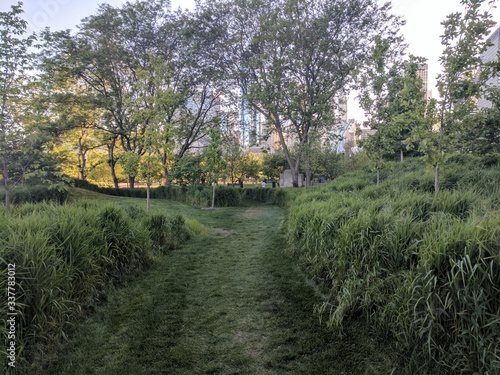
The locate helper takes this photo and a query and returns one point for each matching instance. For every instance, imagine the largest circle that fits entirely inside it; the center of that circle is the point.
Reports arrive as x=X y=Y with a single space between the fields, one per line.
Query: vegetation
x=230 y=301
x=14 y=61
x=67 y=258
x=290 y=59
x=423 y=269
x=136 y=95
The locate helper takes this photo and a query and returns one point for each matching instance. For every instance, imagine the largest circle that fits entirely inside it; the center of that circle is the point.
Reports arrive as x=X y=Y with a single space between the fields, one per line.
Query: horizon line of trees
x=149 y=85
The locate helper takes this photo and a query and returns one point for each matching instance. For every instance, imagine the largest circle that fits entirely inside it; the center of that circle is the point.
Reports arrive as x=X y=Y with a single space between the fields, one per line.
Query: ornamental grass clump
x=127 y=245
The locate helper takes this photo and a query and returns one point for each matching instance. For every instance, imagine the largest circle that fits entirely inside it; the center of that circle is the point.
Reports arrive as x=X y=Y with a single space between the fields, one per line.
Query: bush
x=38 y=193
x=276 y=196
x=197 y=195
x=127 y=244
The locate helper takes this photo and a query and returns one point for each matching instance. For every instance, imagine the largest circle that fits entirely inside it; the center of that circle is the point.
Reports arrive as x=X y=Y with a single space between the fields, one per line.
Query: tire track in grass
x=228 y=303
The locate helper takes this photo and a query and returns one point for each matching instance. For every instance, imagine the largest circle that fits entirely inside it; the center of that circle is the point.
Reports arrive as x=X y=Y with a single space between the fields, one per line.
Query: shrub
x=160 y=231
x=127 y=245
x=179 y=231
x=37 y=193
x=196 y=228
x=276 y=196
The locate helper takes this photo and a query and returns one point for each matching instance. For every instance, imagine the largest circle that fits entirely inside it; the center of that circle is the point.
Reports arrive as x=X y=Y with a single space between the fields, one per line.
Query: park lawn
x=231 y=302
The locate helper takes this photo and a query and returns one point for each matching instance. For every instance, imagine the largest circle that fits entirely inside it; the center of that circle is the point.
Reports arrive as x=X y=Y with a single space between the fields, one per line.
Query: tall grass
x=66 y=259
x=423 y=268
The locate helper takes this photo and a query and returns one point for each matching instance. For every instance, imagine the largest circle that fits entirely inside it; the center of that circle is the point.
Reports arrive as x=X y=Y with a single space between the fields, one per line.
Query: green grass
x=422 y=267
x=227 y=303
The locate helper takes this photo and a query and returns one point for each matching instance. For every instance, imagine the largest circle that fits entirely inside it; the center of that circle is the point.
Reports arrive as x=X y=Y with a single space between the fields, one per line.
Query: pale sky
x=422 y=30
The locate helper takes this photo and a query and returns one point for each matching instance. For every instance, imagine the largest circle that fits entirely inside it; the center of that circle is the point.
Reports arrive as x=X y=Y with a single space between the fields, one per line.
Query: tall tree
x=394 y=101
x=142 y=65
x=14 y=60
x=105 y=57
x=464 y=41
x=295 y=59
x=214 y=163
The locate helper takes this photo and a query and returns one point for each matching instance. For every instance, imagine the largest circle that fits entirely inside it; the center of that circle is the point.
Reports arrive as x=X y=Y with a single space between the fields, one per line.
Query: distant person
x=264 y=183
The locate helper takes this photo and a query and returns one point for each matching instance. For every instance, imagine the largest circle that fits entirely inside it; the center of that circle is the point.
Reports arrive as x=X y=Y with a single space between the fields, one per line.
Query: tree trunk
x=401 y=155
x=82 y=161
x=148 y=195
x=436 y=179
x=308 y=168
x=213 y=195
x=131 y=182
x=112 y=162
x=308 y=177
x=294 y=167
x=6 y=182
x=164 y=167
x=23 y=175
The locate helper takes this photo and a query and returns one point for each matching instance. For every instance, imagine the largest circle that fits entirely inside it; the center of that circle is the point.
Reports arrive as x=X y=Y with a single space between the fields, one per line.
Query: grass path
x=227 y=303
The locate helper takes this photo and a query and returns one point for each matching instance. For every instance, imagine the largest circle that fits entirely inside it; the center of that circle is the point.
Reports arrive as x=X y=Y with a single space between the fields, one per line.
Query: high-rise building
x=423 y=74
x=250 y=124
x=490 y=55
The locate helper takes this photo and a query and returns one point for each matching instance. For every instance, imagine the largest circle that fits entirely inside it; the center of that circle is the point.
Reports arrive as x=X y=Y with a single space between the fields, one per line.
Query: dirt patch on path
x=223 y=232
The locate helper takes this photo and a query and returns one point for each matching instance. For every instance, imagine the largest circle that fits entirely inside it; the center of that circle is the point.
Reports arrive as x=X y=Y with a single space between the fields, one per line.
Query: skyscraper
x=250 y=124
x=490 y=55
x=423 y=74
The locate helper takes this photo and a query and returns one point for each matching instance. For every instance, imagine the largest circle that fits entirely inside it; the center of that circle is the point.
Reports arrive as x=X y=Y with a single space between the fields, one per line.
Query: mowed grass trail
x=231 y=302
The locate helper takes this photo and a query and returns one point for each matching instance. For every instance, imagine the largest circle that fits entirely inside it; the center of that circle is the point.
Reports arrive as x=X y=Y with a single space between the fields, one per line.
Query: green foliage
x=305 y=105
x=464 y=41
x=188 y=171
x=273 y=165
x=196 y=228
x=422 y=268
x=166 y=233
x=481 y=132
x=195 y=195
x=130 y=162
x=278 y=197
x=67 y=257
x=37 y=193
x=15 y=60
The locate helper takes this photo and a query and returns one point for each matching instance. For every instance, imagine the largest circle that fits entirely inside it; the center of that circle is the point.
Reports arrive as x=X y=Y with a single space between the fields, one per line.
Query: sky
x=422 y=30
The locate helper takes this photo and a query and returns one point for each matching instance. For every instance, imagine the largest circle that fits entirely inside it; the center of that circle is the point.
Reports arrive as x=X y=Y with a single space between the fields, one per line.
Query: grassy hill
x=422 y=268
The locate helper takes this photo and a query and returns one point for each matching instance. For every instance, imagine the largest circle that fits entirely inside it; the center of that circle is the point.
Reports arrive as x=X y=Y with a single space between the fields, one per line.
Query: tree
x=14 y=60
x=189 y=170
x=234 y=158
x=464 y=41
x=482 y=131
x=214 y=164
x=251 y=166
x=141 y=65
x=294 y=60
x=273 y=165
x=150 y=165
x=393 y=98
x=104 y=58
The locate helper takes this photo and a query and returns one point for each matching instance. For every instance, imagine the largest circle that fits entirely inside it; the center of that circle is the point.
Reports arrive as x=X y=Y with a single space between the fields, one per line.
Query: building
x=423 y=74
x=490 y=55
x=250 y=124
x=350 y=136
